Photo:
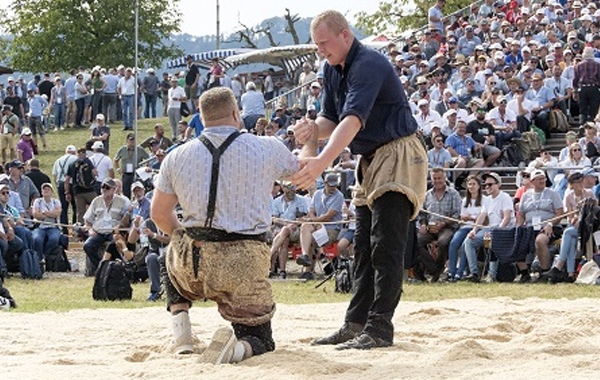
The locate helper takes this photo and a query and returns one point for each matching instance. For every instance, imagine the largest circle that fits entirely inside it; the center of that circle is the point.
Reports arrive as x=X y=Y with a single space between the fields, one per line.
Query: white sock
x=238 y=353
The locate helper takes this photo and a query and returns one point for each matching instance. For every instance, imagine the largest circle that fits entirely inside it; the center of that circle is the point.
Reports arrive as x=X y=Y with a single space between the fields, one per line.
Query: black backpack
x=111 y=282
x=29 y=264
x=57 y=261
x=85 y=175
x=344 y=275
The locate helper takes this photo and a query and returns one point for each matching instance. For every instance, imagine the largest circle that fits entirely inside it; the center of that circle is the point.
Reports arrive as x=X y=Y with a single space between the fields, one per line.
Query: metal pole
x=135 y=100
x=218 y=28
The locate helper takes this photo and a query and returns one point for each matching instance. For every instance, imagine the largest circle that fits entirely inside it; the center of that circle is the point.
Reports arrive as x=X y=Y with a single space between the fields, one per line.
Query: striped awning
x=204 y=59
x=287 y=57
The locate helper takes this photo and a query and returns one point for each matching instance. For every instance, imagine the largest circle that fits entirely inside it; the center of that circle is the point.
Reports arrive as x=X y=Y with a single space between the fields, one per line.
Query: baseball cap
x=16 y=164
x=47 y=184
x=422 y=102
x=100 y=117
x=70 y=149
x=537 y=173
x=26 y=132
x=109 y=182
x=332 y=179
x=98 y=145
x=137 y=185
x=493 y=175
x=315 y=85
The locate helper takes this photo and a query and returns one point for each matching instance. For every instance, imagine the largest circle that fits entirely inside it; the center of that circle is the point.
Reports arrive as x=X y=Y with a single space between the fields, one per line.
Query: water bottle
x=144 y=240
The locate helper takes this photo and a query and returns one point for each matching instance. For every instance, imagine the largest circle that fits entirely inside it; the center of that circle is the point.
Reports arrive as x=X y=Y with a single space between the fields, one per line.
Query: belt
x=128 y=95
x=589 y=85
x=213 y=234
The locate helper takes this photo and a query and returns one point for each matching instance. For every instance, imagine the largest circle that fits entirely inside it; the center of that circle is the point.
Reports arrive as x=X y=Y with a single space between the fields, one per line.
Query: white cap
x=315 y=84
x=423 y=102
x=26 y=131
x=100 y=117
x=70 y=149
x=98 y=145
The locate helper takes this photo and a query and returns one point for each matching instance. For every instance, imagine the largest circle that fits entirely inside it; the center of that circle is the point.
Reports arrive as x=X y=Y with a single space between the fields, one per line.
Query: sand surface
x=449 y=339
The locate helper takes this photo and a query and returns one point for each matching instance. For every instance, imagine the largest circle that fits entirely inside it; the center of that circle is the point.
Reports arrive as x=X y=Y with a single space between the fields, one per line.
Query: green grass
x=69 y=293
x=58 y=141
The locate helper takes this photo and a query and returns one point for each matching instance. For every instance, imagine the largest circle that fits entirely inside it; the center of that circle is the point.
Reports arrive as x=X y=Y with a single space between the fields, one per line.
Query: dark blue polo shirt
x=368 y=88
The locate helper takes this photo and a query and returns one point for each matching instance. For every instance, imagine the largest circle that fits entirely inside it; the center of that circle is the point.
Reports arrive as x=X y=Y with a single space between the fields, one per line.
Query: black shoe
x=363 y=342
x=342 y=335
x=272 y=274
x=525 y=278
x=449 y=278
x=473 y=277
x=554 y=275
x=308 y=276
x=282 y=275
x=303 y=260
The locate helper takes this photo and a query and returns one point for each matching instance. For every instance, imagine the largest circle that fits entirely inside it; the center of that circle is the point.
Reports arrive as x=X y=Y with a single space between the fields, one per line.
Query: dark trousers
x=94 y=251
x=64 y=213
x=109 y=106
x=435 y=266
x=379 y=247
x=80 y=103
x=541 y=120
x=127 y=179
x=589 y=101
x=150 y=110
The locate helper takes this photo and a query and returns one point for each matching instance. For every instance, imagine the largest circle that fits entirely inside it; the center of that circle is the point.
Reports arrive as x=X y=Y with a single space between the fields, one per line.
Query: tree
x=400 y=15
x=60 y=35
x=248 y=35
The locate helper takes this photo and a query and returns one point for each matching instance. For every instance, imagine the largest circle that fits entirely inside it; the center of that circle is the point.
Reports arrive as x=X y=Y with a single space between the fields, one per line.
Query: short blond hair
x=335 y=21
x=217 y=104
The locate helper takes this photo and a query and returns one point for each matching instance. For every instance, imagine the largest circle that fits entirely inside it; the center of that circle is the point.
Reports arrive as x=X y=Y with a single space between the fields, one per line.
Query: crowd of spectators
x=475 y=85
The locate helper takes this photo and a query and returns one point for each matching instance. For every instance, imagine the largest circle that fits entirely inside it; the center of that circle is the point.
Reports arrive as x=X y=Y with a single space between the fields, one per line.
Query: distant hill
x=194 y=44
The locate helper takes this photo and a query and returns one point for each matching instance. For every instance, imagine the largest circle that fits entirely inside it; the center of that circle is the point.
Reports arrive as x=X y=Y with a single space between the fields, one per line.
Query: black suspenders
x=214 y=177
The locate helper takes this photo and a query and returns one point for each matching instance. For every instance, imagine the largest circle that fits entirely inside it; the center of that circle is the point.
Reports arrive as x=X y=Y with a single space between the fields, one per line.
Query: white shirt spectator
x=177 y=93
x=127 y=86
x=526 y=104
x=103 y=165
x=425 y=121
x=497 y=119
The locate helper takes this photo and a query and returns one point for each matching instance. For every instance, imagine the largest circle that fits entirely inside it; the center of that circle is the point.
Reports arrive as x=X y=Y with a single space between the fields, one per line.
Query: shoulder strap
x=214 y=177
x=62 y=166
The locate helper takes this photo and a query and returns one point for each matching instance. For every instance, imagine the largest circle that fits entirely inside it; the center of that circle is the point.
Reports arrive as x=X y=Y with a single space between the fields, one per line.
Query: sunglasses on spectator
x=5 y=192
x=493 y=83
x=526 y=175
x=489 y=184
x=576 y=150
x=106 y=187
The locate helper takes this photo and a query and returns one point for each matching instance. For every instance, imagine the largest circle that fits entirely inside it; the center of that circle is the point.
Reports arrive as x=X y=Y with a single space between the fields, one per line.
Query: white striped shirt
x=248 y=169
